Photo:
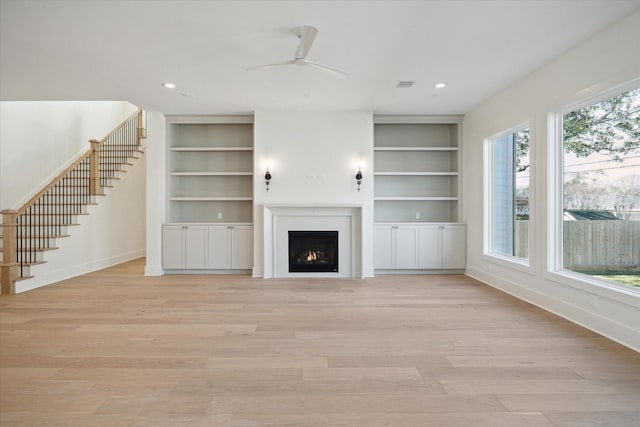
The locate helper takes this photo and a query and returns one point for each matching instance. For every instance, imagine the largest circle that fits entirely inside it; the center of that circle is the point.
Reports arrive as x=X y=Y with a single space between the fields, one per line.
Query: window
x=507 y=204
x=600 y=196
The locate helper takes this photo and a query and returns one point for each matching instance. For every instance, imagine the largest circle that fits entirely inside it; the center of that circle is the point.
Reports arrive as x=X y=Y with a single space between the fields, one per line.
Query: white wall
x=155 y=154
x=608 y=60
x=39 y=139
x=313 y=158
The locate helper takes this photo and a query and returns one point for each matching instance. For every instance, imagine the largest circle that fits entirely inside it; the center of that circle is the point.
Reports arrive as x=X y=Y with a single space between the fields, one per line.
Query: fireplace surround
x=346 y=220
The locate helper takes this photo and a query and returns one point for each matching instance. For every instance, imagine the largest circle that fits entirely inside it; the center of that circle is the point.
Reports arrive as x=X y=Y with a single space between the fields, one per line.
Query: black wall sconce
x=359 y=178
x=267 y=178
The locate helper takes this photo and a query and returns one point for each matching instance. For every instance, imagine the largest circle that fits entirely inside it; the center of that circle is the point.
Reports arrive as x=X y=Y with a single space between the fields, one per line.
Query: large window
x=600 y=224
x=507 y=166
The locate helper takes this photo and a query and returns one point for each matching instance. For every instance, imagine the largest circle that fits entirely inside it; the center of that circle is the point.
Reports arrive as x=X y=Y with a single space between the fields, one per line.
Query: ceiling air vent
x=405 y=83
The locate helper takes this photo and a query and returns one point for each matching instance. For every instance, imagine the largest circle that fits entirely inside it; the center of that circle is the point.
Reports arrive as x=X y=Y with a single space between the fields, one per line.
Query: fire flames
x=312 y=256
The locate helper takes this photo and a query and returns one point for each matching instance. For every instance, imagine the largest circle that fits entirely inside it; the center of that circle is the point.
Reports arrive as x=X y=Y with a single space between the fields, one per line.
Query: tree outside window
x=601 y=189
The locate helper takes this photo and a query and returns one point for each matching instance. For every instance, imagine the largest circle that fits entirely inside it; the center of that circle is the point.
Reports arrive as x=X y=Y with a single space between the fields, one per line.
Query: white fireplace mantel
x=281 y=218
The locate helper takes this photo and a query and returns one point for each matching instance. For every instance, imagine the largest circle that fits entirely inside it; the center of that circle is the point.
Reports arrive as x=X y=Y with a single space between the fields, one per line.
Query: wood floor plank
x=115 y=348
x=377 y=419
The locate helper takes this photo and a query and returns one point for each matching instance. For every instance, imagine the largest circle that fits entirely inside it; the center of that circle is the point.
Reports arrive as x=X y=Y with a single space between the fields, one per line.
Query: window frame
x=525 y=265
x=555 y=270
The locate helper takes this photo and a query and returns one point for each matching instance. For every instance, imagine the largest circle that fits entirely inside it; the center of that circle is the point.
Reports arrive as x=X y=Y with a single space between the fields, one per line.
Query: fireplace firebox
x=313 y=251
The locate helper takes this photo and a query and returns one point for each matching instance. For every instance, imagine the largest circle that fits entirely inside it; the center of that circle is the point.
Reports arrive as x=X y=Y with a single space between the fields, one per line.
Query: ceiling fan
x=306 y=35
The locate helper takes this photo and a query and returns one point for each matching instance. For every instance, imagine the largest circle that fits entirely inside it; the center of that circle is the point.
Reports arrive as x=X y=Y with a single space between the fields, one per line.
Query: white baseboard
x=258 y=272
x=153 y=270
x=47 y=278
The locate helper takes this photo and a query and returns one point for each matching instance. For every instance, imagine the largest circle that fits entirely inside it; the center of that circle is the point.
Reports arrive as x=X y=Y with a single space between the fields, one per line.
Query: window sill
x=521 y=264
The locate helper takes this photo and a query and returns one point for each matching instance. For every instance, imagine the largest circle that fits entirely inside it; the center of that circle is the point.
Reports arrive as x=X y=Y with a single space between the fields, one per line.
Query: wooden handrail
x=54 y=181
x=82 y=156
x=119 y=126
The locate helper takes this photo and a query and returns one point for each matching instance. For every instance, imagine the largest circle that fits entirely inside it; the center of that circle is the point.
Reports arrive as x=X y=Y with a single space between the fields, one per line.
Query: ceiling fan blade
x=338 y=72
x=277 y=64
x=307 y=36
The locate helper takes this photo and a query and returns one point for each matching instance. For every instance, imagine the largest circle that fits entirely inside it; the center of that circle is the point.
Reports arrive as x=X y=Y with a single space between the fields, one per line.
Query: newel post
x=9 y=267
x=94 y=168
x=142 y=128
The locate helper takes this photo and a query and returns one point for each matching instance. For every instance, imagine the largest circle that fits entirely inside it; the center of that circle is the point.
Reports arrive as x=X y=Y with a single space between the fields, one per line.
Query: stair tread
x=32 y=263
x=29 y=249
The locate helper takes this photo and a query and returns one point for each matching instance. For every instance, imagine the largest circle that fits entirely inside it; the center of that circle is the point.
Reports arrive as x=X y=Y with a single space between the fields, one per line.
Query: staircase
x=29 y=232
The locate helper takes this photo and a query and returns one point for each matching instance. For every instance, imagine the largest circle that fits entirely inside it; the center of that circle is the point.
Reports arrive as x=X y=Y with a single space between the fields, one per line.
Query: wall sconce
x=267 y=178
x=359 y=178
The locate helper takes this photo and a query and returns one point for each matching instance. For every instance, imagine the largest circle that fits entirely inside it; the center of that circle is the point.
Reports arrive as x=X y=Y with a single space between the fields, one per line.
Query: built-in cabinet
x=203 y=247
x=417 y=188
x=231 y=246
x=396 y=246
x=183 y=246
x=442 y=246
x=419 y=246
x=209 y=193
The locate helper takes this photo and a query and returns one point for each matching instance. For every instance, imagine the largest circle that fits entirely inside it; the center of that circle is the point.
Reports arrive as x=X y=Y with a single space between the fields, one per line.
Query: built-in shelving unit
x=417 y=189
x=416 y=169
x=210 y=169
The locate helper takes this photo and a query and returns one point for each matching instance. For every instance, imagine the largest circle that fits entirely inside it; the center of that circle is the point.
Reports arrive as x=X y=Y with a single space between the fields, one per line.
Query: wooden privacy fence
x=594 y=245
x=602 y=245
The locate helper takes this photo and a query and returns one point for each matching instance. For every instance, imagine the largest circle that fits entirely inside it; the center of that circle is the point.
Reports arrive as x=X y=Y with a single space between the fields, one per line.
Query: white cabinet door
x=383 y=247
x=219 y=244
x=406 y=246
x=172 y=247
x=242 y=247
x=195 y=246
x=430 y=247
x=437 y=246
x=453 y=247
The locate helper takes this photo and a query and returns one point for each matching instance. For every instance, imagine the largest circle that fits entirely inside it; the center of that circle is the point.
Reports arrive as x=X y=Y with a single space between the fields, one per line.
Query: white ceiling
x=125 y=50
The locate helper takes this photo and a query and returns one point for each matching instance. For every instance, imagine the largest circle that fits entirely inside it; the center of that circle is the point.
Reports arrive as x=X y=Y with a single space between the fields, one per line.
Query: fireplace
x=313 y=251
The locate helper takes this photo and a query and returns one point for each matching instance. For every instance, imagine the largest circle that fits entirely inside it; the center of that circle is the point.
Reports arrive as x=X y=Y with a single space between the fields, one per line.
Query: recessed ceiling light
x=169 y=85
x=405 y=83
x=440 y=85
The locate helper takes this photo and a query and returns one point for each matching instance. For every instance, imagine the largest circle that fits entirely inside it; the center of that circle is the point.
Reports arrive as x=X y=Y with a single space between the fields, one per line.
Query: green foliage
x=631 y=279
x=610 y=127
x=522 y=150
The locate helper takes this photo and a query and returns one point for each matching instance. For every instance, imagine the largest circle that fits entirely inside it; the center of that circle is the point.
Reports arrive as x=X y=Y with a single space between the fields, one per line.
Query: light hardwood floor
x=114 y=348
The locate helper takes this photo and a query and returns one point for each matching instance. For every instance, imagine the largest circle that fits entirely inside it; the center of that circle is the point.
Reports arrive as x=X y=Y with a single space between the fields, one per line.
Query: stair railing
x=30 y=230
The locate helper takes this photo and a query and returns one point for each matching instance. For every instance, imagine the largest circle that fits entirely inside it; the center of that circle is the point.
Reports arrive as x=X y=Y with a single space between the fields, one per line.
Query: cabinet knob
x=184 y=227
x=230 y=227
